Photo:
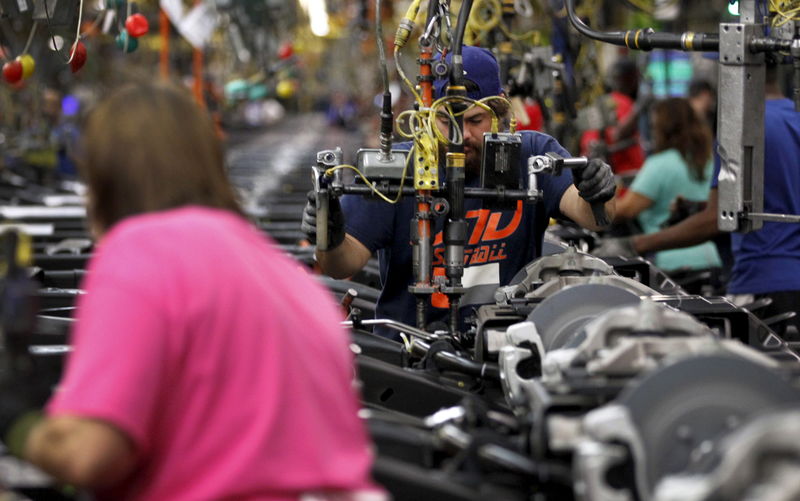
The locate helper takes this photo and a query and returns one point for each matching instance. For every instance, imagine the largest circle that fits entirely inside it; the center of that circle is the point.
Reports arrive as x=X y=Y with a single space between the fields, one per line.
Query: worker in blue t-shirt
x=767 y=261
x=499 y=242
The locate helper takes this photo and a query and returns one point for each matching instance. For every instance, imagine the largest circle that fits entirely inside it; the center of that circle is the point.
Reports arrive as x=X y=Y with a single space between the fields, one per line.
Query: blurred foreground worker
x=767 y=261
x=499 y=242
x=681 y=166
x=206 y=365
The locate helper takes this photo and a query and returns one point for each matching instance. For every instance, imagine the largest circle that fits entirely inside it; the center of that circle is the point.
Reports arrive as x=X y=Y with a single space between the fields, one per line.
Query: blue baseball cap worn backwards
x=480 y=67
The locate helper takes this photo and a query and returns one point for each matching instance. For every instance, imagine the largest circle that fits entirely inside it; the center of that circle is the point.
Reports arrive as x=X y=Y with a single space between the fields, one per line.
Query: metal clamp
x=553 y=164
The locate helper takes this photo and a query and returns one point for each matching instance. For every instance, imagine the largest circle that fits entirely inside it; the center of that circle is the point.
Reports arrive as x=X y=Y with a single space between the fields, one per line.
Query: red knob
x=137 y=25
x=12 y=71
x=285 y=51
x=79 y=56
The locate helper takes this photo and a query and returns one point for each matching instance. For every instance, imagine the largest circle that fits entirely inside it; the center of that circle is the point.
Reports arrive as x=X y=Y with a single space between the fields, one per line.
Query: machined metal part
x=555 y=285
x=610 y=440
x=571 y=262
x=630 y=340
x=63 y=200
x=534 y=193
x=553 y=325
x=14 y=212
x=553 y=163
x=779 y=218
x=760 y=461
x=673 y=421
x=326 y=159
x=446 y=415
x=741 y=127
x=560 y=318
x=564 y=432
x=34 y=230
x=523 y=345
x=377 y=167
x=394 y=324
x=74 y=246
x=49 y=350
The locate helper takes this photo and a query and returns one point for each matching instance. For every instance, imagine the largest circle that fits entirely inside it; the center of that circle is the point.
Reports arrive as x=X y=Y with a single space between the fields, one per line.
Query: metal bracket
x=741 y=130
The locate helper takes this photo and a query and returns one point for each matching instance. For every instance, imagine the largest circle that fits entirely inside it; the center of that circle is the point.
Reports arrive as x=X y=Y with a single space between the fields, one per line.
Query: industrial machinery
x=583 y=378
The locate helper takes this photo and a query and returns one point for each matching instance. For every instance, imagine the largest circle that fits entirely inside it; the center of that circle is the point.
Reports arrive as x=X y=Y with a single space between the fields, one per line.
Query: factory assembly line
x=589 y=375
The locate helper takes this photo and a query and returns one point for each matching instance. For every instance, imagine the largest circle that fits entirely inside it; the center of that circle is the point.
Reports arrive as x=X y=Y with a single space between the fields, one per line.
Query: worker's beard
x=472 y=158
x=472 y=162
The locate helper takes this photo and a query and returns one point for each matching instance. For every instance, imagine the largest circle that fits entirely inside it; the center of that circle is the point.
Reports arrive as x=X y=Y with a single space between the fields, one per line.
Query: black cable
x=613 y=37
x=387 y=118
x=458 y=39
x=645 y=38
x=381 y=48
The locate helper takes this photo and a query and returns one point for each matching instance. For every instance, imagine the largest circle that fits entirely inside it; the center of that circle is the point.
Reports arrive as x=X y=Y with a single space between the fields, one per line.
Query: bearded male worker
x=499 y=242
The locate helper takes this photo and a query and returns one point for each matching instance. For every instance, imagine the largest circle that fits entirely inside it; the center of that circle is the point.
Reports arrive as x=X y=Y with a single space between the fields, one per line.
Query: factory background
x=640 y=343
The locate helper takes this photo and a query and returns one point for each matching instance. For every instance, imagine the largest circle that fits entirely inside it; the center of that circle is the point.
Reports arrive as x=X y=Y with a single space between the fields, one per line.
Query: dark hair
x=147 y=148
x=676 y=125
x=697 y=87
x=498 y=106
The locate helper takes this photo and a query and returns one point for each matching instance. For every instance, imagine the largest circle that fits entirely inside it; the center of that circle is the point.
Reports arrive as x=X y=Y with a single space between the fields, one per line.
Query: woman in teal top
x=681 y=166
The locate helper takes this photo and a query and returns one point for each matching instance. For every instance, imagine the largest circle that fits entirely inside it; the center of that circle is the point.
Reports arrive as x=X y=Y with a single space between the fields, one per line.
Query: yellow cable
x=372 y=186
x=470 y=102
x=399 y=121
x=477 y=24
x=534 y=35
x=403 y=76
x=787 y=16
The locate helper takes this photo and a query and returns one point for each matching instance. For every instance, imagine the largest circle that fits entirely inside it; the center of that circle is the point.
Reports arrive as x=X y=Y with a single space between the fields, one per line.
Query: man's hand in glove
x=595 y=182
x=335 y=221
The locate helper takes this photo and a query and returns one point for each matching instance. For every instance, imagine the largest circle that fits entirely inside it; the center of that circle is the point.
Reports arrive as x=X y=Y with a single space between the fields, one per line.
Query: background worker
x=190 y=377
x=619 y=141
x=703 y=99
x=499 y=242
x=681 y=166
x=767 y=261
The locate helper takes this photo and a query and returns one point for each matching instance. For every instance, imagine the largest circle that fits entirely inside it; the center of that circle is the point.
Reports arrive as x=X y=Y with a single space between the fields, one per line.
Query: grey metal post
x=741 y=123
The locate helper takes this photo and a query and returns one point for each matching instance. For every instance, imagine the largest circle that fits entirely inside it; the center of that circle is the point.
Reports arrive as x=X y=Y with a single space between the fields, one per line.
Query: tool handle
x=323 y=208
x=599 y=211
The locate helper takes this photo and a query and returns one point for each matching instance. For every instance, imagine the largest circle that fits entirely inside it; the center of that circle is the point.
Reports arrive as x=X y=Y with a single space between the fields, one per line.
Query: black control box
x=501 y=163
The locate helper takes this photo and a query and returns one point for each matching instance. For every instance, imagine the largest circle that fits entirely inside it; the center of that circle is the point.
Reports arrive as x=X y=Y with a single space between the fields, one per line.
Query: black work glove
x=335 y=221
x=595 y=182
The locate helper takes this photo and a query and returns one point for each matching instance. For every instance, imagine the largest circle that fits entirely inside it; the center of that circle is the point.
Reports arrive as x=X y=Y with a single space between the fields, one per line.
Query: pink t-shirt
x=220 y=358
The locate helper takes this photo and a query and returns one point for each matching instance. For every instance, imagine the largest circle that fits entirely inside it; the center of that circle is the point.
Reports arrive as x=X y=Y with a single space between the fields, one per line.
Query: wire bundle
x=786 y=10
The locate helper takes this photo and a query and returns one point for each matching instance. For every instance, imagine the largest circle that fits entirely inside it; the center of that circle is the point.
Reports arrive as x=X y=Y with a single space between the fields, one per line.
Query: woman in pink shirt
x=206 y=365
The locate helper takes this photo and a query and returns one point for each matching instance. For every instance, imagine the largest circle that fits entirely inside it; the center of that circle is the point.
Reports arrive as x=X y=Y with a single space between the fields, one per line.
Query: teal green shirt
x=663 y=177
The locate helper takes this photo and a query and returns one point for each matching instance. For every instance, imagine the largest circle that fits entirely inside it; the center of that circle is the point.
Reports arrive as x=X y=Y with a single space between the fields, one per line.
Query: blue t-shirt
x=499 y=242
x=663 y=177
x=768 y=260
